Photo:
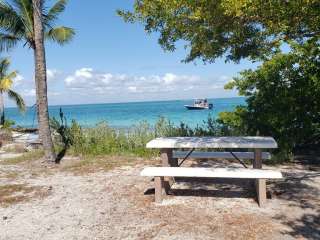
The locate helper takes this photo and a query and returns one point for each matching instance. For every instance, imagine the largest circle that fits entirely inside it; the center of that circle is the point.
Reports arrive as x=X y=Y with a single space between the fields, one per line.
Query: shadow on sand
x=298 y=190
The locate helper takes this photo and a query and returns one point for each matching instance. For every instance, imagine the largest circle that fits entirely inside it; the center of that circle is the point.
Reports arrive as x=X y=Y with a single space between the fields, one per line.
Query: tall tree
x=41 y=81
x=32 y=22
x=6 y=82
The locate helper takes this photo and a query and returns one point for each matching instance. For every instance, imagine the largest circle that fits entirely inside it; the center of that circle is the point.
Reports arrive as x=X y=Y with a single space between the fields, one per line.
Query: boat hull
x=189 y=107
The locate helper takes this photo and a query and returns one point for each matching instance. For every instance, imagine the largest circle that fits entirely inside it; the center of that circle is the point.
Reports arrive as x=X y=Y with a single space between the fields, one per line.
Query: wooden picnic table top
x=213 y=142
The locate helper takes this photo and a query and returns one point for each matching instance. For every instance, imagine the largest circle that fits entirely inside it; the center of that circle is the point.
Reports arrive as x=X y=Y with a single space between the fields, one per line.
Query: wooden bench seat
x=160 y=172
x=214 y=155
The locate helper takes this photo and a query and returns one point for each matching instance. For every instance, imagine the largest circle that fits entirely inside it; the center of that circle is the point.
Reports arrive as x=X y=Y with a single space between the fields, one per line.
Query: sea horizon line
x=102 y=103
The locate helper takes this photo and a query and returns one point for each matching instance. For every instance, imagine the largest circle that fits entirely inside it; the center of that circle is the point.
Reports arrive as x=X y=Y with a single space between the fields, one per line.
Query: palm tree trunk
x=41 y=83
x=1 y=109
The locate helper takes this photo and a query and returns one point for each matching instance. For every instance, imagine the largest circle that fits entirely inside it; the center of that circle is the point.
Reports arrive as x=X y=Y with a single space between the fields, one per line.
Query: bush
x=282 y=99
x=105 y=140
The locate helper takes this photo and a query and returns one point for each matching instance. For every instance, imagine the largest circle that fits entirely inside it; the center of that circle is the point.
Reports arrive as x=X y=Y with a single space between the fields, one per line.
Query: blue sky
x=113 y=61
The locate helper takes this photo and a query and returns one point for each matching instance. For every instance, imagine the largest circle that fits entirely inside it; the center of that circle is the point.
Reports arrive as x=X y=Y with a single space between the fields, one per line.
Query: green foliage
x=104 y=140
x=6 y=83
x=234 y=121
x=209 y=127
x=17 y=98
x=61 y=128
x=281 y=19
x=283 y=97
x=207 y=29
x=16 y=23
x=236 y=29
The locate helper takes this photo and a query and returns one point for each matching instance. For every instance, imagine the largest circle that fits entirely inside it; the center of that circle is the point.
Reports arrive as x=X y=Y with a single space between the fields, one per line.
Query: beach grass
x=104 y=140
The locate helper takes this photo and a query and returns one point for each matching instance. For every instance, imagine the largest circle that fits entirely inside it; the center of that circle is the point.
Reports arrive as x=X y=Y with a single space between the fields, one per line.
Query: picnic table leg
x=260 y=184
x=167 y=161
x=158 y=183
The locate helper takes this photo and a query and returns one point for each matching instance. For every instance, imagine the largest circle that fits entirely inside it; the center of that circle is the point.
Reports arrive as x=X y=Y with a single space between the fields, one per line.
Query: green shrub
x=105 y=140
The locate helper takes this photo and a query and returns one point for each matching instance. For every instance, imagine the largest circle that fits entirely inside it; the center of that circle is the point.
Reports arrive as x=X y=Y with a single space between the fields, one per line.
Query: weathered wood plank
x=224 y=155
x=158 y=184
x=166 y=156
x=261 y=190
x=167 y=161
x=257 y=161
x=213 y=142
x=260 y=184
x=211 y=172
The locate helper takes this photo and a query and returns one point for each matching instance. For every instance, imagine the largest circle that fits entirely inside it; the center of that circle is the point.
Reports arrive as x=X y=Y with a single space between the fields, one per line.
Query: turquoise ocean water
x=123 y=115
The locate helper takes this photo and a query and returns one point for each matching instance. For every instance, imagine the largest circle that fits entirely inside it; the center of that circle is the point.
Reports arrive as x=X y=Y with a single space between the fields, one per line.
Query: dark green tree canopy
x=282 y=97
x=236 y=29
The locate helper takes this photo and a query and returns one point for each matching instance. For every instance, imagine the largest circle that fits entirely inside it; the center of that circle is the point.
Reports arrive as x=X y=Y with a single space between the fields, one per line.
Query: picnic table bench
x=171 y=166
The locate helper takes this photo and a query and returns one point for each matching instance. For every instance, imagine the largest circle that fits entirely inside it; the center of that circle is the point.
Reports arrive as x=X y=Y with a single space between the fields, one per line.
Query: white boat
x=199 y=104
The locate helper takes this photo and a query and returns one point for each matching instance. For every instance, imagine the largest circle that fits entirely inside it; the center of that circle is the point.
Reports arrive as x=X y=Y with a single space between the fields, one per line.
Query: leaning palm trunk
x=41 y=83
x=1 y=109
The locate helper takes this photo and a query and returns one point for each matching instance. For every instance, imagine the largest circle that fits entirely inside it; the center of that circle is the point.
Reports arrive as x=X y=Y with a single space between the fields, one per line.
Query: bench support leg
x=260 y=184
x=261 y=192
x=158 y=181
x=167 y=161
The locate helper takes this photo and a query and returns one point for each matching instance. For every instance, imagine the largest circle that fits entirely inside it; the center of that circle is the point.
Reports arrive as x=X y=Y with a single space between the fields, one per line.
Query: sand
x=118 y=204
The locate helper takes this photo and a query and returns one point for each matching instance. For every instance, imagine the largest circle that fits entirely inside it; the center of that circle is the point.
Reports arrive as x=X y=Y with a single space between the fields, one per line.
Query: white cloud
x=32 y=93
x=29 y=92
x=84 y=72
x=132 y=89
x=52 y=74
x=22 y=82
x=88 y=85
x=18 y=80
x=53 y=93
x=86 y=79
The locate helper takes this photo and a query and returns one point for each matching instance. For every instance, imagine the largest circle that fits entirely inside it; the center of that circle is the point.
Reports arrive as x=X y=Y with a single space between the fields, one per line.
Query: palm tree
x=31 y=22
x=6 y=82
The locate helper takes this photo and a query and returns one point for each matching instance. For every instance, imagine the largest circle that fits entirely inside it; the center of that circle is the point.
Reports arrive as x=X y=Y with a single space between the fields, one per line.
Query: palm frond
x=25 y=8
x=4 y=66
x=6 y=80
x=12 y=75
x=54 y=11
x=7 y=41
x=18 y=100
x=16 y=23
x=60 y=35
x=5 y=84
x=9 y=18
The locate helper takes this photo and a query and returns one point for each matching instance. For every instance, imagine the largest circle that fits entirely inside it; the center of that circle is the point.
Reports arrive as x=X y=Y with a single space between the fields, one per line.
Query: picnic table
x=256 y=144
x=168 y=144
